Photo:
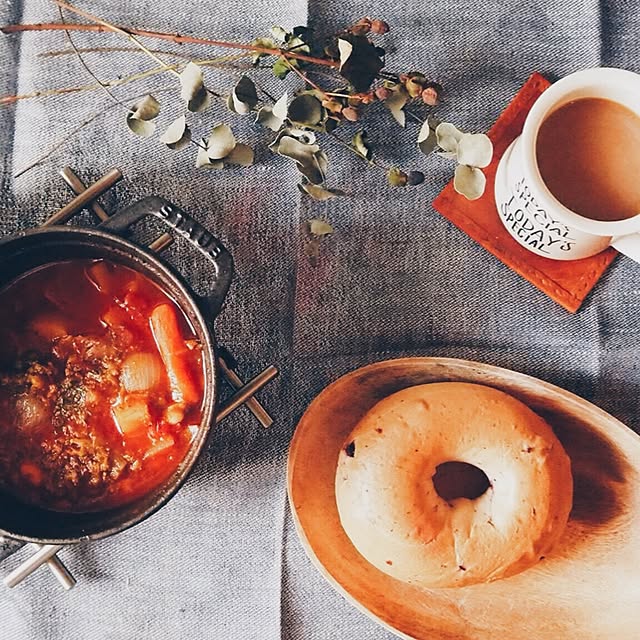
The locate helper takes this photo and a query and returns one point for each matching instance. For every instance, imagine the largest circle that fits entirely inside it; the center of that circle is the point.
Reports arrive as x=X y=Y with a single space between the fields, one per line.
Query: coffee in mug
x=569 y=186
x=588 y=154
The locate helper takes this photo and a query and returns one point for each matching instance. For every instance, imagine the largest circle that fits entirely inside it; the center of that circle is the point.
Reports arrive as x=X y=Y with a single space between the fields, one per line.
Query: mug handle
x=629 y=245
x=188 y=228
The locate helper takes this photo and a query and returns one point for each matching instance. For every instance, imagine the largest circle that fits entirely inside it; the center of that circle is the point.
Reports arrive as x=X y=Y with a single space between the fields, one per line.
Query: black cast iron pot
x=21 y=252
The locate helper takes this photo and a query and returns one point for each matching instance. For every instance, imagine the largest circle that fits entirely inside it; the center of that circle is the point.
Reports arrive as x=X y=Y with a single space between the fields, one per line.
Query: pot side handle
x=189 y=229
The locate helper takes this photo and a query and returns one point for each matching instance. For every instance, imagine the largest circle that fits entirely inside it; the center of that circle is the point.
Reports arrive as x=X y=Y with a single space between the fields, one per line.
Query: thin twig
x=46 y=93
x=68 y=52
x=109 y=83
x=177 y=38
x=79 y=128
x=85 y=65
x=306 y=79
x=413 y=116
x=266 y=93
x=211 y=62
x=112 y=27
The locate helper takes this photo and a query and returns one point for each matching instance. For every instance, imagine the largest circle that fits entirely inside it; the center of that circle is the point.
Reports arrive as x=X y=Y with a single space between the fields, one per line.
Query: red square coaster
x=566 y=282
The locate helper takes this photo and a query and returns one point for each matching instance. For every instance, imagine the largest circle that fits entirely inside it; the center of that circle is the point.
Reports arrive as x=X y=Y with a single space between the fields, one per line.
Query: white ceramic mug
x=529 y=211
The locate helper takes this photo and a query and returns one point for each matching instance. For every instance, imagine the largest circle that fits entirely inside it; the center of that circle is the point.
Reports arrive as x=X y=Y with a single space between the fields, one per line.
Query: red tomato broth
x=72 y=436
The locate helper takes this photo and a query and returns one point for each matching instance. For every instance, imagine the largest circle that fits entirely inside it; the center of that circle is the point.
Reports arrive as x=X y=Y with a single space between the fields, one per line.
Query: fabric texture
x=222 y=560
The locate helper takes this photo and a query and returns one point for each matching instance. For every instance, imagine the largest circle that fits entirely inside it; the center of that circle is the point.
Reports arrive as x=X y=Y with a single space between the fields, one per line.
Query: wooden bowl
x=589 y=588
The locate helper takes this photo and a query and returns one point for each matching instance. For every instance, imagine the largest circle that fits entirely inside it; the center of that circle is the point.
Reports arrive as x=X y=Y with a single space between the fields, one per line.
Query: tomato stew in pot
x=101 y=386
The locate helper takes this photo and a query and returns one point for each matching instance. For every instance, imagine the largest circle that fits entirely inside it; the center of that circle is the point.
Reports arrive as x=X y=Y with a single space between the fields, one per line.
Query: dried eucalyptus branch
x=359 y=79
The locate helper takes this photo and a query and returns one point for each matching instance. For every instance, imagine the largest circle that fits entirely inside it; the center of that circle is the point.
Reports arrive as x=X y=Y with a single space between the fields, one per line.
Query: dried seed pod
x=368 y=97
x=414 y=178
x=383 y=93
x=430 y=96
x=379 y=26
x=362 y=27
x=351 y=114
x=397 y=178
x=414 y=84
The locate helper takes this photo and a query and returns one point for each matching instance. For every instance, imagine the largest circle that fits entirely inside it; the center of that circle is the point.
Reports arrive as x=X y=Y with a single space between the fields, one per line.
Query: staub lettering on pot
x=190 y=229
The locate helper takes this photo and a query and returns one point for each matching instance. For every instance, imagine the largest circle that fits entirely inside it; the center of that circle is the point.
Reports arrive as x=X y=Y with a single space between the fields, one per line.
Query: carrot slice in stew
x=173 y=350
x=132 y=416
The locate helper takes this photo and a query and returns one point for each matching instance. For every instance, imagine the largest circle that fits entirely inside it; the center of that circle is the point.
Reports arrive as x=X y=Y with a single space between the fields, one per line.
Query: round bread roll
x=393 y=514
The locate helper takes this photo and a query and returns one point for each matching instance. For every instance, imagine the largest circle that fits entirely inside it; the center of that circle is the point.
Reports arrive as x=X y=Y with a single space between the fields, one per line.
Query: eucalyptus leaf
x=345 y=48
x=469 y=181
x=364 y=62
x=307 y=137
x=266 y=118
x=310 y=160
x=448 y=137
x=142 y=128
x=320 y=193
x=192 y=88
x=265 y=43
x=146 y=109
x=305 y=110
x=202 y=159
x=315 y=171
x=280 y=107
x=359 y=143
x=299 y=151
x=221 y=142
x=281 y=68
x=242 y=155
x=396 y=102
x=427 y=139
x=273 y=117
x=298 y=44
x=319 y=228
x=199 y=102
x=177 y=136
x=279 y=33
x=244 y=96
x=475 y=150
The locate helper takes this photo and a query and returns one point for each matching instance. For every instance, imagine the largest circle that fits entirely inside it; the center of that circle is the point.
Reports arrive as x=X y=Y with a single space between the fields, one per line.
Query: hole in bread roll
x=456 y=479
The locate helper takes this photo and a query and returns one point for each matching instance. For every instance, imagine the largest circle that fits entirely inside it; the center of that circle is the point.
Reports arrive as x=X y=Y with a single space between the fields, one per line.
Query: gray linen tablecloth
x=221 y=560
